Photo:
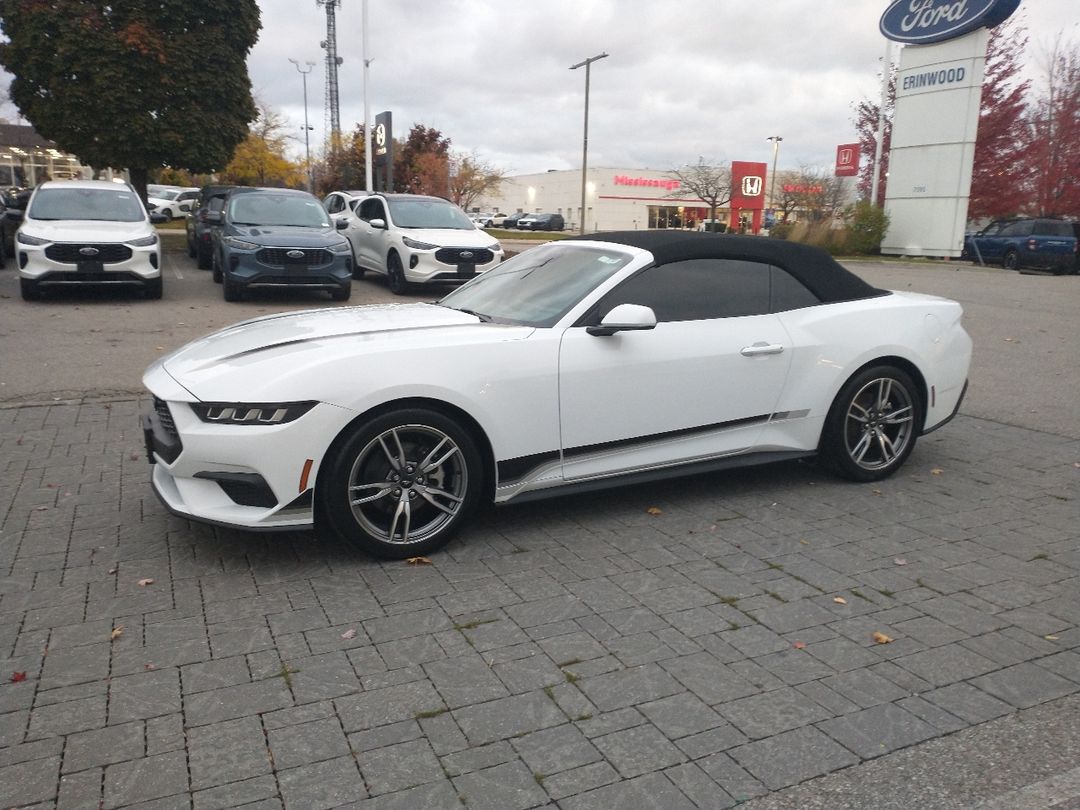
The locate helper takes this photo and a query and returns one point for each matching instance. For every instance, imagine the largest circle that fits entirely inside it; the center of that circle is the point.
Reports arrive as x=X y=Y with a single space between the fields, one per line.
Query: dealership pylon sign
x=936 y=119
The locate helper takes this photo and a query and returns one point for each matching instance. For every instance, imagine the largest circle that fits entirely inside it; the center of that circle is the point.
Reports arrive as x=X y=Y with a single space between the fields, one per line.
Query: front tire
x=29 y=289
x=153 y=288
x=402 y=484
x=232 y=290
x=395 y=275
x=342 y=293
x=873 y=424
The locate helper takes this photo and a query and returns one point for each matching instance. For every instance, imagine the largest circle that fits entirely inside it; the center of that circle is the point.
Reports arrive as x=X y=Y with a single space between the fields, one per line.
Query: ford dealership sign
x=921 y=22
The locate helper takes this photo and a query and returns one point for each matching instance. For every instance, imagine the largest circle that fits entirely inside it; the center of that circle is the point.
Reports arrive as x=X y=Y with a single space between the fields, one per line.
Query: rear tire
x=395 y=275
x=215 y=266
x=29 y=289
x=401 y=484
x=1011 y=261
x=872 y=425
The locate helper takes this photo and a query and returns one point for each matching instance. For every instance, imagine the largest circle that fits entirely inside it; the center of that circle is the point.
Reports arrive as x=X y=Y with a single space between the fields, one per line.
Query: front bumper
x=247 y=269
x=257 y=477
x=142 y=264
x=447 y=265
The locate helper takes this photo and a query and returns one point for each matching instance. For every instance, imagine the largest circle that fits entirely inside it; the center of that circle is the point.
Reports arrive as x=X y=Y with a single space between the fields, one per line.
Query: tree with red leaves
x=1055 y=136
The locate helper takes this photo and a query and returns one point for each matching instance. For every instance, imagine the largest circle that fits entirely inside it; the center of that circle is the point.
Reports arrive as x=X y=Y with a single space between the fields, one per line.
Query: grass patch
x=286 y=674
x=775 y=566
x=430 y=713
x=886 y=593
x=528 y=236
x=776 y=596
x=473 y=624
x=730 y=601
x=571 y=677
x=581 y=718
x=1042 y=556
x=569 y=663
x=860 y=594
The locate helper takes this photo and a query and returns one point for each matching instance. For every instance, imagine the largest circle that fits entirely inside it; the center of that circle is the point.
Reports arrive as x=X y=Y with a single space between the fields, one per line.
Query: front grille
x=68 y=252
x=165 y=417
x=280 y=257
x=319 y=280
x=450 y=255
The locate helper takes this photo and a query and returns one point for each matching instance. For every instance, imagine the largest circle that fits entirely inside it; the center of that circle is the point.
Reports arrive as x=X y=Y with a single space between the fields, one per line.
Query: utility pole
x=775 y=152
x=585 y=142
x=307 y=129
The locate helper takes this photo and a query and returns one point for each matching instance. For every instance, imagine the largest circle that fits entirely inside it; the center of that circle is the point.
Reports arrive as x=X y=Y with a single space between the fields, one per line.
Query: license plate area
x=466 y=270
x=90 y=266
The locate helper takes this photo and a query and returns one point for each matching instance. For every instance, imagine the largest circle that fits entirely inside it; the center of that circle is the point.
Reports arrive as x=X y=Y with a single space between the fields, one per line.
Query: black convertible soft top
x=815 y=268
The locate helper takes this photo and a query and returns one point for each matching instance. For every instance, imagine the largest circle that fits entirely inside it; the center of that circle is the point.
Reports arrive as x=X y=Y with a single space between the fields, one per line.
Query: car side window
x=334 y=204
x=1021 y=228
x=371 y=209
x=787 y=292
x=696 y=289
x=1047 y=228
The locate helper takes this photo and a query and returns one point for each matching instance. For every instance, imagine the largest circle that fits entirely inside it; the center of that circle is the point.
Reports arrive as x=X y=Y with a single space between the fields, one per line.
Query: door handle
x=761 y=347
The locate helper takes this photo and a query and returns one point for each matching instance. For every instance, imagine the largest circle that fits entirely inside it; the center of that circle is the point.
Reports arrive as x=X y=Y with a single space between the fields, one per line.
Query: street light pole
x=585 y=142
x=772 y=185
x=307 y=129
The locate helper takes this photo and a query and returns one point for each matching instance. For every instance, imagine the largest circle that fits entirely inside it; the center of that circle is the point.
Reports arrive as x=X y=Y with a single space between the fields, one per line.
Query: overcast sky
x=710 y=78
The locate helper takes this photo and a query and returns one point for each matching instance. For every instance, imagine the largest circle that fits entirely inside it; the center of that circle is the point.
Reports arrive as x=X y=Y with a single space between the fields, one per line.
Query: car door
x=995 y=247
x=368 y=241
x=701 y=384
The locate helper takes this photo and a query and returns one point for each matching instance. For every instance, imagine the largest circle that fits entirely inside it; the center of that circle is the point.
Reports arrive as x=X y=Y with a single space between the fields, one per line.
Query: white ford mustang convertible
x=575 y=365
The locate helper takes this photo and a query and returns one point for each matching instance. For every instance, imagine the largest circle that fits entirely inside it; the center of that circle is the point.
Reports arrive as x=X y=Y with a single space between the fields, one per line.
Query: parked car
x=511 y=220
x=339 y=204
x=198 y=226
x=541 y=222
x=79 y=232
x=498 y=220
x=387 y=424
x=172 y=202
x=483 y=220
x=13 y=204
x=279 y=238
x=1016 y=244
x=413 y=239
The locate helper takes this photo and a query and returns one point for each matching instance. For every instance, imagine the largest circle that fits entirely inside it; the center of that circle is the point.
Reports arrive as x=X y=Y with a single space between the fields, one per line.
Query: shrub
x=866 y=226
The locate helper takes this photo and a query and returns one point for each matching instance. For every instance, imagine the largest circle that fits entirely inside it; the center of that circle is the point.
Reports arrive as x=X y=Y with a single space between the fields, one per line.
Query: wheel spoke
x=888 y=449
x=403 y=511
x=395 y=462
x=426 y=466
x=430 y=494
x=864 y=444
x=449 y=454
x=899 y=416
x=884 y=391
x=864 y=411
x=383 y=488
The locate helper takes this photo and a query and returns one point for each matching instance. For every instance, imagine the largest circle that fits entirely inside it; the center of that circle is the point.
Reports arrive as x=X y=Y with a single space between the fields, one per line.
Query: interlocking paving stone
x=227 y=752
x=649 y=792
x=772 y=713
x=31 y=781
x=791 y=757
x=638 y=750
x=322 y=785
x=1024 y=685
x=397 y=767
x=878 y=730
x=508 y=717
x=556 y=749
x=105 y=746
x=144 y=779
x=505 y=787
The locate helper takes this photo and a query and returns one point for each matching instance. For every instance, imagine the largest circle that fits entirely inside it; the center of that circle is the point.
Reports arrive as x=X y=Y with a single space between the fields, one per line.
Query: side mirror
x=378 y=222
x=214 y=217
x=156 y=218
x=341 y=224
x=624 y=318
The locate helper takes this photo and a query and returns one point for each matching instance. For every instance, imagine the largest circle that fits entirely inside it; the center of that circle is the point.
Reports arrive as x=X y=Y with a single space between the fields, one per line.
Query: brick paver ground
x=575 y=653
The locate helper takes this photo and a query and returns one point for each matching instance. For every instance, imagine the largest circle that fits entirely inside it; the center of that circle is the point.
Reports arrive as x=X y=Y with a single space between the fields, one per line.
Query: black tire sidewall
x=832 y=448
x=331 y=494
x=395 y=275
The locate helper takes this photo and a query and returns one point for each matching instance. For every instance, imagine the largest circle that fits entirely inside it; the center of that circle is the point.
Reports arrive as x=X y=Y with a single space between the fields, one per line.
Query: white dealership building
x=615 y=199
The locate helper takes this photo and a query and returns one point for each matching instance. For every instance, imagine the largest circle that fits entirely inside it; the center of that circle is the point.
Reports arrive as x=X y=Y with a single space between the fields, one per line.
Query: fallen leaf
x=881 y=638
x=799 y=645
x=805 y=542
x=840 y=600
x=41 y=509
x=936 y=471
x=654 y=510
x=418 y=561
x=1076 y=464
x=900 y=561
x=350 y=633
x=876 y=491
x=112 y=570
x=1051 y=638
x=149 y=667
x=116 y=632
x=1009 y=340
x=144 y=582
x=134 y=456
x=18 y=676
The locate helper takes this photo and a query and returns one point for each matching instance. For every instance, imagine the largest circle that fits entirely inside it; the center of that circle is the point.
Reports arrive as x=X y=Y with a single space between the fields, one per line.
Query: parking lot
x=688 y=644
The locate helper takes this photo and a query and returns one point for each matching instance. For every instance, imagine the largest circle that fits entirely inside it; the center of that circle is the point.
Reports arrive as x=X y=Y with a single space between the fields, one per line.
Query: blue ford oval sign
x=921 y=22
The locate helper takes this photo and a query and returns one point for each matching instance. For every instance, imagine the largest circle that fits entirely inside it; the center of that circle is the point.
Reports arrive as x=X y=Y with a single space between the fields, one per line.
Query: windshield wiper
x=480 y=315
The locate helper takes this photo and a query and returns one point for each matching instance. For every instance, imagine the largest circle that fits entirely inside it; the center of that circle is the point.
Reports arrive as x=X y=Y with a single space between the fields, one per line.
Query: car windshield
x=166 y=194
x=539 y=286
x=97 y=204
x=296 y=210
x=427 y=213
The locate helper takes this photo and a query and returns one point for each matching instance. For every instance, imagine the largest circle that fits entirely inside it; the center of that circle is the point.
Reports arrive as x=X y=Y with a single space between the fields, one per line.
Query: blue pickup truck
x=1018 y=244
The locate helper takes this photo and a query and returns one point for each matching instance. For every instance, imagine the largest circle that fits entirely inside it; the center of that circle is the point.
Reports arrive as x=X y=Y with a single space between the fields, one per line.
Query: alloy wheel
x=879 y=424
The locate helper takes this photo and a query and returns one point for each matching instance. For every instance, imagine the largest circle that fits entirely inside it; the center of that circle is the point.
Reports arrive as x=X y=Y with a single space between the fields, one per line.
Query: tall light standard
x=585 y=143
x=775 y=153
x=307 y=129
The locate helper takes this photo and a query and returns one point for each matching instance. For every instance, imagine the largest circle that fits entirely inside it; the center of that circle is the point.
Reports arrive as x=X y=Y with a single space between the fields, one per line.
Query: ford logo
x=88 y=251
x=922 y=22
x=295 y=254
x=466 y=254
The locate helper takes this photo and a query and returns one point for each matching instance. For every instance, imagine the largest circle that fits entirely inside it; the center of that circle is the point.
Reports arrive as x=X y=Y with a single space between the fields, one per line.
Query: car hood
x=286 y=236
x=451 y=237
x=86 y=230
x=249 y=359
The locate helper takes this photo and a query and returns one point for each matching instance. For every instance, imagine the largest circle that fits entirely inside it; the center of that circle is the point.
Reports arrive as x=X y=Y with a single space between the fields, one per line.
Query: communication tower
x=333 y=107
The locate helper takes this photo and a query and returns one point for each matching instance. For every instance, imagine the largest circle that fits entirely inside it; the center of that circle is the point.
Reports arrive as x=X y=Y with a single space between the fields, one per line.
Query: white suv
x=87 y=232
x=412 y=239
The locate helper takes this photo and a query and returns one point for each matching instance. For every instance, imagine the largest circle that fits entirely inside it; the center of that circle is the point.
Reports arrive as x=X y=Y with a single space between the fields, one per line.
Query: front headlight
x=27 y=239
x=496 y=248
x=412 y=243
x=145 y=241
x=239 y=244
x=244 y=413
x=340 y=247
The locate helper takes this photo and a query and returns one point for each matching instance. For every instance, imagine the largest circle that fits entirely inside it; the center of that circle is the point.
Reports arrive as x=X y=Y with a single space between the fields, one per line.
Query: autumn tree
x=343 y=167
x=815 y=193
x=472 y=178
x=1054 y=147
x=707 y=182
x=421 y=162
x=260 y=159
x=1000 y=177
x=866 y=125
x=139 y=84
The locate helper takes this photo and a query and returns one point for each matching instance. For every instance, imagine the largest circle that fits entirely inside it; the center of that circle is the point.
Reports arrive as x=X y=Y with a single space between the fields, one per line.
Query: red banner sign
x=847 y=160
x=747 y=184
